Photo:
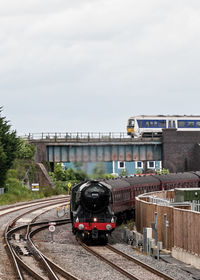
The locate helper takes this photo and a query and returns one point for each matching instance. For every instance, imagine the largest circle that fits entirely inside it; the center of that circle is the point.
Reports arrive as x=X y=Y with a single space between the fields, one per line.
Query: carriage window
x=151 y=123
x=181 y=123
x=190 y=123
x=197 y=124
x=148 y=124
x=155 y=123
x=162 y=124
x=139 y=123
x=126 y=195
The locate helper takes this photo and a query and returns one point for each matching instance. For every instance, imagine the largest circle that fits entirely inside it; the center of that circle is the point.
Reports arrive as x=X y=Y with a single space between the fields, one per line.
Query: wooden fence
x=183 y=225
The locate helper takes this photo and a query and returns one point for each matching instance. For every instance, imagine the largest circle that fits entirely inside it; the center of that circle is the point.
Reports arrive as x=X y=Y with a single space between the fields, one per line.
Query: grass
x=20 y=194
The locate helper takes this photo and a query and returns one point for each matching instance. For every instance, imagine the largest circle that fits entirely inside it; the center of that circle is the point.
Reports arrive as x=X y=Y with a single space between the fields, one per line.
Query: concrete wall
x=42 y=176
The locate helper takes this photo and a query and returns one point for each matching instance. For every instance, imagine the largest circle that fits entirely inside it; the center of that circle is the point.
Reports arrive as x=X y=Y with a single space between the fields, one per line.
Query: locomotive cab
x=130 y=127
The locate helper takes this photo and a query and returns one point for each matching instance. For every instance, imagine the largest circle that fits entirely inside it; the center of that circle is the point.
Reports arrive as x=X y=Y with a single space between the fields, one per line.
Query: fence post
x=155 y=230
x=165 y=231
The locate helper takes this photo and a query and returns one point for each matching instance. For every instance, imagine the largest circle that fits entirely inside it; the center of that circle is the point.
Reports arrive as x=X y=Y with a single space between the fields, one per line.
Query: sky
x=88 y=65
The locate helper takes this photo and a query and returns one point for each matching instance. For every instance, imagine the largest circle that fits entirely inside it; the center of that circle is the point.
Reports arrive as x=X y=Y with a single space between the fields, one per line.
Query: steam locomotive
x=91 y=215
x=96 y=205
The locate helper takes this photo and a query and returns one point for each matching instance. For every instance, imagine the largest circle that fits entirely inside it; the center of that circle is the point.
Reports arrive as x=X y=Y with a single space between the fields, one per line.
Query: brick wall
x=181 y=150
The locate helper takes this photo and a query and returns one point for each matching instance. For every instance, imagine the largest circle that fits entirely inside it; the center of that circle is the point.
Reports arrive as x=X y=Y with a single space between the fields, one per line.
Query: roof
x=165 y=116
x=176 y=176
x=135 y=180
x=117 y=183
x=187 y=189
x=140 y=180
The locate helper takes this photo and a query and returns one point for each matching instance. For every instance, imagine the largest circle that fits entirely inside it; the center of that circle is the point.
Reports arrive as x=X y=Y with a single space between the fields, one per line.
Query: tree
x=99 y=170
x=9 y=144
x=25 y=150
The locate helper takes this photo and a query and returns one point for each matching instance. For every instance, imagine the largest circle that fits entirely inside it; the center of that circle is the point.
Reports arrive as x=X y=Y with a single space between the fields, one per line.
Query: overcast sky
x=88 y=65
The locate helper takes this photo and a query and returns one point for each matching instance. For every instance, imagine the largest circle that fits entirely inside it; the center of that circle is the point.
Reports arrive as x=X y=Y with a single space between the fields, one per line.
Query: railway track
x=26 y=258
x=128 y=266
x=14 y=208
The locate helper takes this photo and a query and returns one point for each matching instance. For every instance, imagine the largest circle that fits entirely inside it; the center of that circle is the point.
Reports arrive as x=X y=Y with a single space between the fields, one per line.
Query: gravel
x=64 y=250
x=61 y=246
x=6 y=269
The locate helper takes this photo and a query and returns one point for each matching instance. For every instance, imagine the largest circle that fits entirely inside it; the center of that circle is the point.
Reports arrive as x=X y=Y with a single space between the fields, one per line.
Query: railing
x=85 y=136
x=81 y=135
x=159 y=201
x=195 y=205
x=75 y=135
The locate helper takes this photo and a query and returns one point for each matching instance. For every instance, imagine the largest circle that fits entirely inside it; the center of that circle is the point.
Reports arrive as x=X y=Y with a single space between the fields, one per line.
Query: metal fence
x=160 y=201
x=74 y=135
x=87 y=137
x=195 y=205
x=1 y=190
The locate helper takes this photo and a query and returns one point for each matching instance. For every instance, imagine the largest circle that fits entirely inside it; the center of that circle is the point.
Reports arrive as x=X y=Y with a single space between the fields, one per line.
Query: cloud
x=94 y=62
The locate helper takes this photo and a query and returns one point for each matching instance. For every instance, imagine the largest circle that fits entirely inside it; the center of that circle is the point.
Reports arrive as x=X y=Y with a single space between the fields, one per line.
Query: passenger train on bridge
x=145 y=125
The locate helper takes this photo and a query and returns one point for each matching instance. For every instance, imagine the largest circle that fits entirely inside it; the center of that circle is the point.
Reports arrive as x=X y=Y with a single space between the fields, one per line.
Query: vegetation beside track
x=17 y=169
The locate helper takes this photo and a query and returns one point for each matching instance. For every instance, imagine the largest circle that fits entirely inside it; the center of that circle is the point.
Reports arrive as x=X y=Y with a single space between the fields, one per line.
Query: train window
x=181 y=124
x=126 y=195
x=155 y=123
x=148 y=123
x=162 y=124
x=190 y=123
x=139 y=123
x=121 y=164
x=131 y=122
x=197 y=124
x=151 y=124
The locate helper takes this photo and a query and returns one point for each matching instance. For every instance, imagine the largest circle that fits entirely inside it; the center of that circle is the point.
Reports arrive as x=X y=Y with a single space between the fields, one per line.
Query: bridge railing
x=68 y=136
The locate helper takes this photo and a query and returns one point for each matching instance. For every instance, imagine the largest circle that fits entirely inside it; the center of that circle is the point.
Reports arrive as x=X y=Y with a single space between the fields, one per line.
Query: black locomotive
x=90 y=210
x=96 y=204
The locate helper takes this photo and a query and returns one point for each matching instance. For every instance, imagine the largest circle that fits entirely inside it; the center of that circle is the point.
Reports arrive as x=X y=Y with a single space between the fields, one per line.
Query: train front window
x=131 y=123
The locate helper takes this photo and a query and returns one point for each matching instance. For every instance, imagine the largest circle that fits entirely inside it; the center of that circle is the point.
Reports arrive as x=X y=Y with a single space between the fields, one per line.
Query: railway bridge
x=177 y=151
x=96 y=147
